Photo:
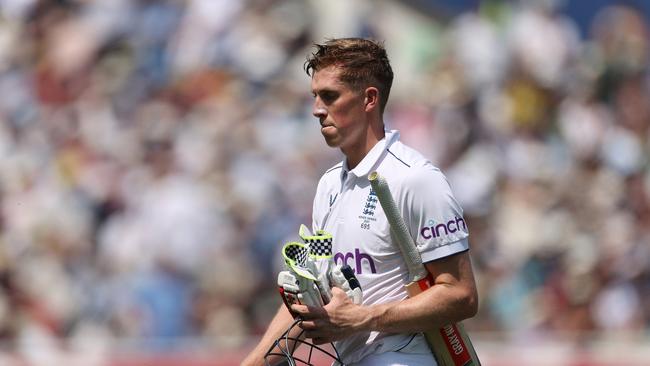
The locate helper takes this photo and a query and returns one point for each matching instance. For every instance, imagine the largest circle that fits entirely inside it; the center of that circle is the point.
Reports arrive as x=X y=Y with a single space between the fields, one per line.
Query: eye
x=328 y=96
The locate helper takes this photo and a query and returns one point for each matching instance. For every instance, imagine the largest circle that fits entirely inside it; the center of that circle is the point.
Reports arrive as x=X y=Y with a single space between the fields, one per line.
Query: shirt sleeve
x=434 y=217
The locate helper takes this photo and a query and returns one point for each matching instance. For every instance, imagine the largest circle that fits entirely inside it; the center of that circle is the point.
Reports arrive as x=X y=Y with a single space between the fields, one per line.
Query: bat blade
x=450 y=344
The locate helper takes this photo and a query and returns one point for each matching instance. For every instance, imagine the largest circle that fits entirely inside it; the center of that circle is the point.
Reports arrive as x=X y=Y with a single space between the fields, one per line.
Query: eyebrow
x=324 y=90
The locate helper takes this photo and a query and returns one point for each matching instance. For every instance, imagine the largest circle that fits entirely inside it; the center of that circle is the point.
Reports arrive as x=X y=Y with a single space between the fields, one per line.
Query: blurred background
x=155 y=154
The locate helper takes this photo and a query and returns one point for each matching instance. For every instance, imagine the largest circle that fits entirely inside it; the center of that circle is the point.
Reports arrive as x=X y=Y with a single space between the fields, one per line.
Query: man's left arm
x=427 y=203
x=451 y=299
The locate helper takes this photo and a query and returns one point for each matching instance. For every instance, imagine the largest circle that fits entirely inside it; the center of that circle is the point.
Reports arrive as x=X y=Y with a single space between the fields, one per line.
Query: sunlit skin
x=350 y=119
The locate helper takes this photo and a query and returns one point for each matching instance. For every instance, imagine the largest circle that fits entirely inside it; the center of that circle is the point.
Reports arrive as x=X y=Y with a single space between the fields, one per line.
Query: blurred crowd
x=157 y=153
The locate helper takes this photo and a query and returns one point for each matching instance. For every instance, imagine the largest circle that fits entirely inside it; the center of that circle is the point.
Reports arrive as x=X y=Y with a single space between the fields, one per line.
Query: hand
x=336 y=320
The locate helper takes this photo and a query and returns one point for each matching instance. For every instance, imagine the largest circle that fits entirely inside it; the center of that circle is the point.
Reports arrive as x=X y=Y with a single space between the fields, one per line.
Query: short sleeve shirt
x=347 y=207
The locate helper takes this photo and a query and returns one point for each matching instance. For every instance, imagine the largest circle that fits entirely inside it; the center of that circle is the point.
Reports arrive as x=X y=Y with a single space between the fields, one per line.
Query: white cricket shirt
x=346 y=207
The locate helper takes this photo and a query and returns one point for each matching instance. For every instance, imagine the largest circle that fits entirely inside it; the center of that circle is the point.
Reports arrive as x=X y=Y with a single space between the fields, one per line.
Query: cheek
x=345 y=125
x=346 y=116
x=351 y=123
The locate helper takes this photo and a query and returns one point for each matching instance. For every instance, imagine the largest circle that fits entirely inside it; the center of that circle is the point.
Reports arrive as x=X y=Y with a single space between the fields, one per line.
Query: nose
x=318 y=110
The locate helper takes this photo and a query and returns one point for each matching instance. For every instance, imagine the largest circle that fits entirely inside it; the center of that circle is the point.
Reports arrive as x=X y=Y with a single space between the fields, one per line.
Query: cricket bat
x=450 y=344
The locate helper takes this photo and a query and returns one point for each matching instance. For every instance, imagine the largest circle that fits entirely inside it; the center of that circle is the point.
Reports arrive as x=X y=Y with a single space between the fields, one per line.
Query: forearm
x=434 y=308
x=452 y=298
x=281 y=321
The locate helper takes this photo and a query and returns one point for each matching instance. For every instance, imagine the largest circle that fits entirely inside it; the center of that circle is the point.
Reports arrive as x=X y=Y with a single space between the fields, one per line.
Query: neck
x=354 y=154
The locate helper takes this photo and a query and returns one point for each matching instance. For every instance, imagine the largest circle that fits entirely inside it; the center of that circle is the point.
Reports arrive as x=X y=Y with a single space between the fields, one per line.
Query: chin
x=331 y=141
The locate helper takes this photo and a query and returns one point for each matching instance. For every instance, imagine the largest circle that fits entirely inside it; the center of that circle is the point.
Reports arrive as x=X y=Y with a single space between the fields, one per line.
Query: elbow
x=473 y=304
x=469 y=303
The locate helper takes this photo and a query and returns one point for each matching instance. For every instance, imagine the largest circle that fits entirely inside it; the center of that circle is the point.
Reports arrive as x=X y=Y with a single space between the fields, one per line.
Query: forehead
x=327 y=78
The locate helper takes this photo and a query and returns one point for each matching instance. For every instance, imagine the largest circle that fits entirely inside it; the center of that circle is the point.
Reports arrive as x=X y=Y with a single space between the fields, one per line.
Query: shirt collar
x=372 y=157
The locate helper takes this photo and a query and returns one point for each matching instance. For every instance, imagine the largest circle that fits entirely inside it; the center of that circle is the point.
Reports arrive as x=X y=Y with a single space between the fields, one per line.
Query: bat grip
x=398 y=227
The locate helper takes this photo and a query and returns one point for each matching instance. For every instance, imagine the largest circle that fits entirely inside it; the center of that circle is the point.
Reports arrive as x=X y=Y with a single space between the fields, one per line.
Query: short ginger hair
x=362 y=63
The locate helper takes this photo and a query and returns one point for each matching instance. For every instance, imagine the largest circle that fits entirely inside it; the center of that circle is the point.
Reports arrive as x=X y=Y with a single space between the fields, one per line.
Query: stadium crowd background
x=155 y=154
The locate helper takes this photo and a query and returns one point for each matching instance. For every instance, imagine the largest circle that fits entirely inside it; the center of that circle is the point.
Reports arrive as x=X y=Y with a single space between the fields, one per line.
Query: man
x=351 y=80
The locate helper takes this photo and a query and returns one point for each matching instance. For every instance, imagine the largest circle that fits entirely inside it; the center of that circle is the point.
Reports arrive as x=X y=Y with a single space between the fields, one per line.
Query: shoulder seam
x=395 y=156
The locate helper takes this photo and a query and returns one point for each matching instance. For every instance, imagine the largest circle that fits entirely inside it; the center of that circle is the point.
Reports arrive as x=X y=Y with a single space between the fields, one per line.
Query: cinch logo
x=433 y=231
x=359 y=259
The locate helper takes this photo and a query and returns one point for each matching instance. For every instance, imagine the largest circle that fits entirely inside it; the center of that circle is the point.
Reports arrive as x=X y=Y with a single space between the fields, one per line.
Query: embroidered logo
x=371 y=204
x=368 y=211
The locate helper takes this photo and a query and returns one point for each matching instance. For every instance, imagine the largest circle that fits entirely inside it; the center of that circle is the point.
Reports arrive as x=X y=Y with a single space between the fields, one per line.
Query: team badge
x=368 y=210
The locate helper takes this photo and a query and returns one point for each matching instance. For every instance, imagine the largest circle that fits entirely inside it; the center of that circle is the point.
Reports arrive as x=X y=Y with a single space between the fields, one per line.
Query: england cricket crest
x=368 y=210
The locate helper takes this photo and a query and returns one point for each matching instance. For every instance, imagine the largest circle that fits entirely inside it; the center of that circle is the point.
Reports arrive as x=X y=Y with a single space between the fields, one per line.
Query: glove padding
x=342 y=276
x=320 y=251
x=310 y=273
x=299 y=284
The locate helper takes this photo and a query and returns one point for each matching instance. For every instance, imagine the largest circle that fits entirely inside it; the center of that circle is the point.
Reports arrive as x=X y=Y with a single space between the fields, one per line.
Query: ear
x=372 y=98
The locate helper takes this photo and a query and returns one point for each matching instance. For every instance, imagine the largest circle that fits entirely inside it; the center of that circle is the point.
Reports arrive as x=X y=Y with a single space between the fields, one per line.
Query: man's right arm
x=283 y=318
x=277 y=327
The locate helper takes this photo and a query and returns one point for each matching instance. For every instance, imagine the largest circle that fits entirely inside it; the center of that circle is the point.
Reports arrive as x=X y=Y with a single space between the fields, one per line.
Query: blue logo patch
x=371 y=204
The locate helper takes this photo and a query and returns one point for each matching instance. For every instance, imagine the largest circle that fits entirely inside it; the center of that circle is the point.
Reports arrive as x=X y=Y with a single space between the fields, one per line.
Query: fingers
x=318 y=330
x=320 y=323
x=318 y=335
x=337 y=292
x=312 y=312
x=312 y=330
x=321 y=331
x=308 y=312
x=308 y=325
